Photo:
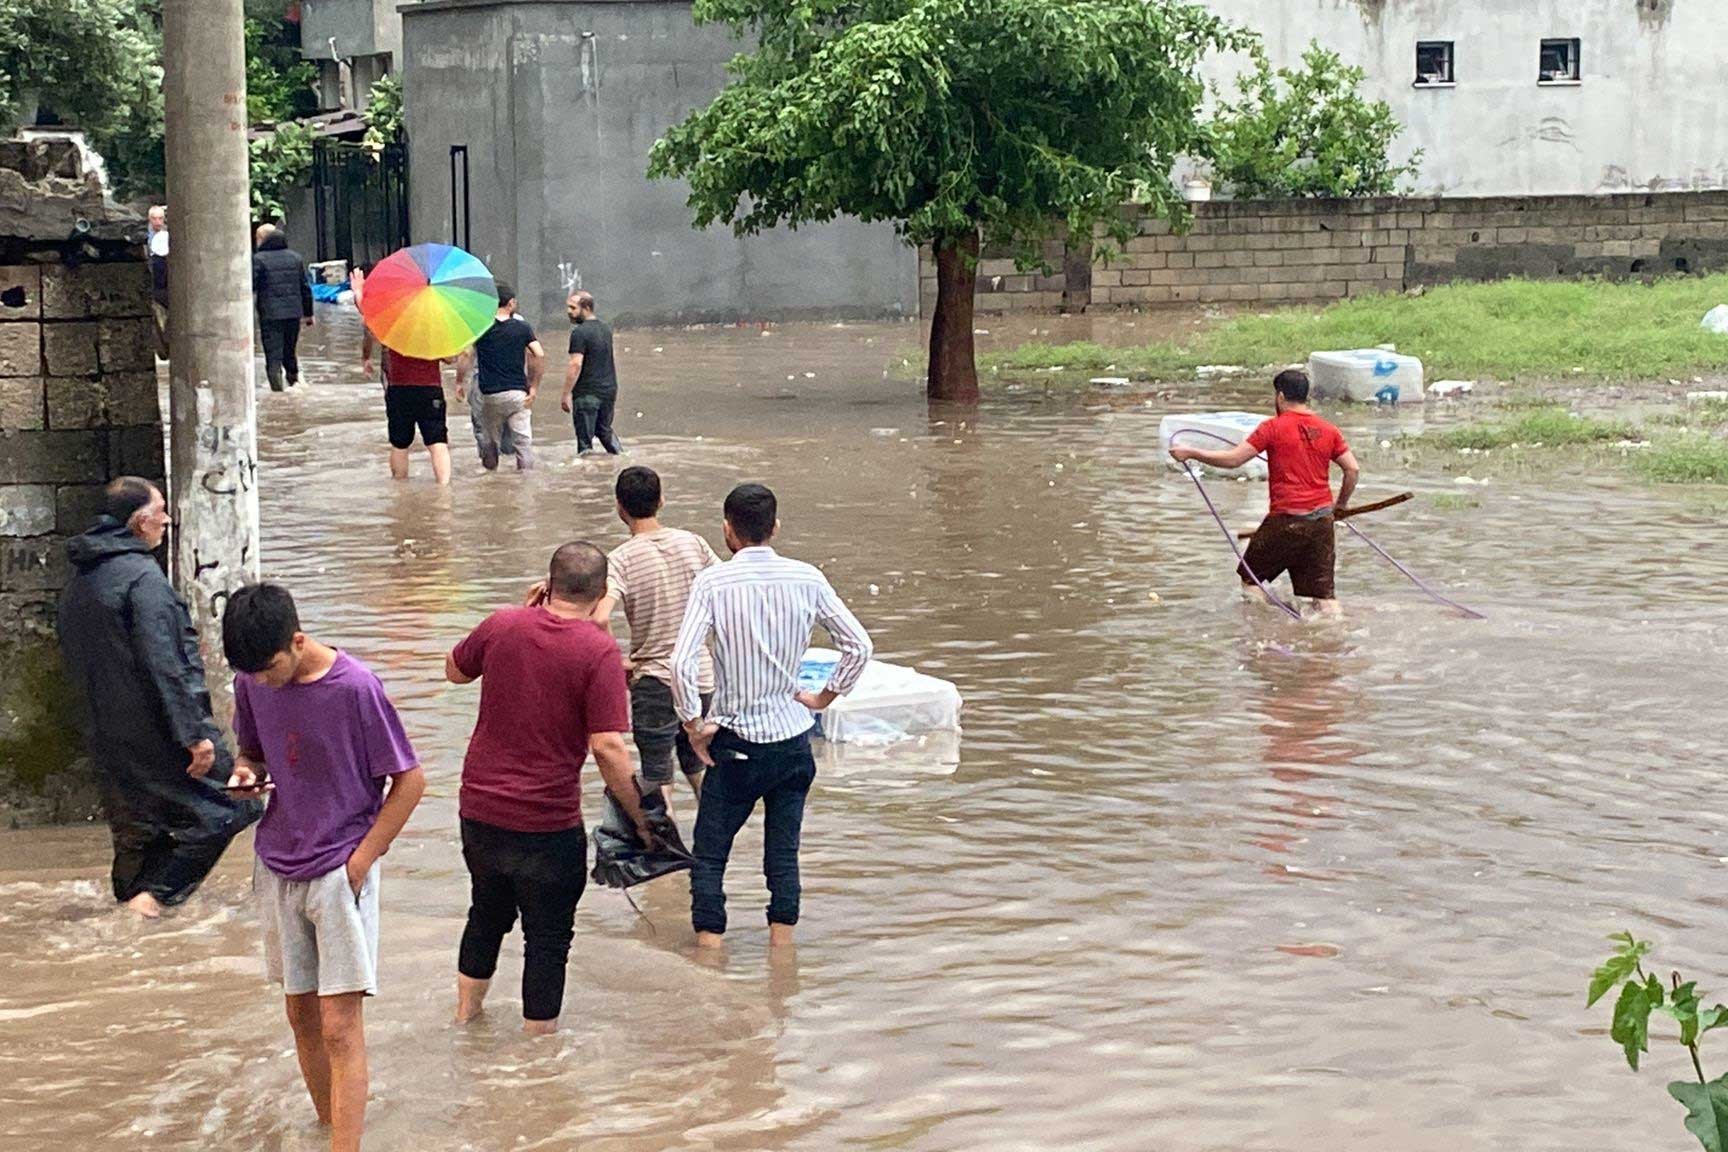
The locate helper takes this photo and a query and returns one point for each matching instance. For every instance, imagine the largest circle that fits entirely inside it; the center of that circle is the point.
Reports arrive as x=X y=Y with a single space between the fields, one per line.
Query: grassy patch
x=1506 y=329
x=1548 y=427
x=1695 y=459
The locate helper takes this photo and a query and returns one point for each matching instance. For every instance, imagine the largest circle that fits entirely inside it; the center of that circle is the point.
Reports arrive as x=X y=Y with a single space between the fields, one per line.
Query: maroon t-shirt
x=545 y=684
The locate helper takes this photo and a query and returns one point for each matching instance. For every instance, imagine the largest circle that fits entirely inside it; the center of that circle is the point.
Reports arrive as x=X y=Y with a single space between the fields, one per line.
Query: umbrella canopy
x=430 y=301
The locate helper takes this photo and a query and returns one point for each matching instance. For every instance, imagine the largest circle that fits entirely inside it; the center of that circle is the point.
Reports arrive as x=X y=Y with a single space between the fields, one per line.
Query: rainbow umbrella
x=430 y=301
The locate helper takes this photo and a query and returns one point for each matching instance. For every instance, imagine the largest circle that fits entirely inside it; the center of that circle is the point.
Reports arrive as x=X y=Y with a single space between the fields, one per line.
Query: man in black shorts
x=591 y=380
x=413 y=398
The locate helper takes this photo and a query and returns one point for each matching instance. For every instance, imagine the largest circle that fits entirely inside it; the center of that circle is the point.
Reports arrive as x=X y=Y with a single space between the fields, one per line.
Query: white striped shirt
x=760 y=609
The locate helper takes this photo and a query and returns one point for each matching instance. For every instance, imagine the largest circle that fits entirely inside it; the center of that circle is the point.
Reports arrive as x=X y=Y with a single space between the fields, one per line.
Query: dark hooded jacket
x=279 y=281
x=131 y=655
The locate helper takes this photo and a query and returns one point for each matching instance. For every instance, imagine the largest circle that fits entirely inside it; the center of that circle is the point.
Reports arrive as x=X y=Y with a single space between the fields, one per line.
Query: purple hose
x=1360 y=535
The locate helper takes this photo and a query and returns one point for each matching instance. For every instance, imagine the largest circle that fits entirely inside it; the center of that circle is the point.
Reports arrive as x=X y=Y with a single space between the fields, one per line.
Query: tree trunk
x=214 y=458
x=953 y=374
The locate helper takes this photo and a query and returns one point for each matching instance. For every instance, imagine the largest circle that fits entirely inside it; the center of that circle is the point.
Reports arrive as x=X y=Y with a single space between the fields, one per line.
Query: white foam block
x=1218 y=430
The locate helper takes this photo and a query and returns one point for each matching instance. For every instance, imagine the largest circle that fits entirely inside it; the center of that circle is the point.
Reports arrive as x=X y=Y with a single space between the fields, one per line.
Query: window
x=1433 y=63
x=1559 y=62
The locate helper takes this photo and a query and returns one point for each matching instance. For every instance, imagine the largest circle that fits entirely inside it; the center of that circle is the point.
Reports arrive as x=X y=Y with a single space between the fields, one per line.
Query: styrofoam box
x=1365 y=375
x=1232 y=426
x=889 y=702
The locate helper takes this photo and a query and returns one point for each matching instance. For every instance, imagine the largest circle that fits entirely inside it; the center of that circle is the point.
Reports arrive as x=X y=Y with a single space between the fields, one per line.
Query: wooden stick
x=1358 y=510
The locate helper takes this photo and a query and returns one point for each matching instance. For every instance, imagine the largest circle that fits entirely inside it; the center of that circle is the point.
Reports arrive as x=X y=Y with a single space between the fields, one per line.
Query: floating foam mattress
x=890 y=702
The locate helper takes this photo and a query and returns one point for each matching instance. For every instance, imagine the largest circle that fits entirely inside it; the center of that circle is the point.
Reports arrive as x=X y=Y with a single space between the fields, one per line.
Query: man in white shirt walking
x=758 y=611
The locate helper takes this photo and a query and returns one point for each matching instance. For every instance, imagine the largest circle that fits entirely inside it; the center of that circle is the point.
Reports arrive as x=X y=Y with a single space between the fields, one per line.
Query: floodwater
x=1202 y=878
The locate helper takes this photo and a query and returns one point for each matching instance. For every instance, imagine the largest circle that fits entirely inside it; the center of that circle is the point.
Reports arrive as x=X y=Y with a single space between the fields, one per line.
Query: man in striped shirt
x=758 y=611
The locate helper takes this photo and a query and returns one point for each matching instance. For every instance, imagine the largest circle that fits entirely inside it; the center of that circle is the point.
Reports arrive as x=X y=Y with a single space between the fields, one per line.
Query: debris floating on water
x=1451 y=387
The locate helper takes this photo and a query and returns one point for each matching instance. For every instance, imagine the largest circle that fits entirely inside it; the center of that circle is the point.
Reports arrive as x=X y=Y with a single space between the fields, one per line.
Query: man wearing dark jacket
x=132 y=659
x=284 y=297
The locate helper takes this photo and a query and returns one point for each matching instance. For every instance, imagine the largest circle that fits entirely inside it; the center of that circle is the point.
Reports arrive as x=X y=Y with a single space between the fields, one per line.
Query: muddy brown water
x=1200 y=878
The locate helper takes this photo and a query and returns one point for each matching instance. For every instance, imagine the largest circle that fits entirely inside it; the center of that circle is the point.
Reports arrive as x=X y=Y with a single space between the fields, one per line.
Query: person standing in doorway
x=132 y=662
x=758 y=611
x=551 y=689
x=413 y=398
x=1298 y=534
x=591 y=379
x=283 y=292
x=507 y=361
x=317 y=731
x=651 y=575
x=156 y=250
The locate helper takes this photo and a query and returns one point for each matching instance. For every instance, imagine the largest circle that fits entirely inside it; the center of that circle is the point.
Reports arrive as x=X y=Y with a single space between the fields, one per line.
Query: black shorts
x=409 y=405
x=1301 y=546
x=659 y=736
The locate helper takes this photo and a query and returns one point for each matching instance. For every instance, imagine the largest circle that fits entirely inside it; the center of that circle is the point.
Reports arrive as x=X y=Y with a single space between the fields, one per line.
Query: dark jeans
x=281 y=340
x=592 y=416
x=658 y=734
x=541 y=875
x=779 y=775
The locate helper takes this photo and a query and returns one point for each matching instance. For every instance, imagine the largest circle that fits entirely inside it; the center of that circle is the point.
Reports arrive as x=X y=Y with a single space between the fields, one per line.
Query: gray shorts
x=503 y=424
x=319 y=936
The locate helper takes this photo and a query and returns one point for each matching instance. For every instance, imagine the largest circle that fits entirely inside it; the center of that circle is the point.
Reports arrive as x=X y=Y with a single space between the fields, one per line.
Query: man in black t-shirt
x=510 y=361
x=591 y=380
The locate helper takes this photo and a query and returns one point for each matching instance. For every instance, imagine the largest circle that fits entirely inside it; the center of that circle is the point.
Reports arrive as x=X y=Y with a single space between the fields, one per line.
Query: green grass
x=1697 y=458
x=1506 y=329
x=1549 y=427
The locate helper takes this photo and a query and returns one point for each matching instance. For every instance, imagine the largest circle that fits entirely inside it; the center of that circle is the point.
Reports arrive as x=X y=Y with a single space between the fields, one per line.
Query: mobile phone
x=240 y=789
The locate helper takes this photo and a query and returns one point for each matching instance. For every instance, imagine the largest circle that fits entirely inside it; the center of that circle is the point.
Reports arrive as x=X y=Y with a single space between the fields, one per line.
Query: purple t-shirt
x=328 y=746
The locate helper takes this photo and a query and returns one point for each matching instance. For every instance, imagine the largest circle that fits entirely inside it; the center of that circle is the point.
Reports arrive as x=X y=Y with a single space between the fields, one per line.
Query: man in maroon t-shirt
x=413 y=398
x=1297 y=534
x=552 y=687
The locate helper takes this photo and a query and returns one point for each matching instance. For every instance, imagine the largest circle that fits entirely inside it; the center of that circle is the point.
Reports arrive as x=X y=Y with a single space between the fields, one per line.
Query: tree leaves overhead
x=946 y=116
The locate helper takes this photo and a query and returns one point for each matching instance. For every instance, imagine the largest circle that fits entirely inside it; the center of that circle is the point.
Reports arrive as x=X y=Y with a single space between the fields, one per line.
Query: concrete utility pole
x=214 y=460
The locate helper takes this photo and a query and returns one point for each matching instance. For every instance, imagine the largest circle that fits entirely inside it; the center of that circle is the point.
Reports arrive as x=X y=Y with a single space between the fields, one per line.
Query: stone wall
x=78 y=406
x=1254 y=252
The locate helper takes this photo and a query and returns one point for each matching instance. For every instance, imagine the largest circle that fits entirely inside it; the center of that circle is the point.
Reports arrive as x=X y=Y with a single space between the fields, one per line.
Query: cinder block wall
x=78 y=406
x=1254 y=251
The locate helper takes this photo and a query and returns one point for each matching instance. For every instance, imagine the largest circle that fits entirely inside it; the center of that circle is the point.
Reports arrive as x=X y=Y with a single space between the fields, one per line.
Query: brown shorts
x=1295 y=544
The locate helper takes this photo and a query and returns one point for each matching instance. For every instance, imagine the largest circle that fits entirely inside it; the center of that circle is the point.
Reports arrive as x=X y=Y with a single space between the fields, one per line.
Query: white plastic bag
x=1716 y=320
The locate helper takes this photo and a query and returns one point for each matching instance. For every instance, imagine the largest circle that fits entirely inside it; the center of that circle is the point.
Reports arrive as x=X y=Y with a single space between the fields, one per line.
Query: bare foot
x=540 y=1027
x=710 y=940
x=145 y=905
x=779 y=935
x=470 y=997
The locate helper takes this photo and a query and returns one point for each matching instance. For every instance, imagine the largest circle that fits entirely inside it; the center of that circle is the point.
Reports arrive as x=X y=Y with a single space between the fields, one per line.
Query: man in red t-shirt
x=1297 y=534
x=552 y=687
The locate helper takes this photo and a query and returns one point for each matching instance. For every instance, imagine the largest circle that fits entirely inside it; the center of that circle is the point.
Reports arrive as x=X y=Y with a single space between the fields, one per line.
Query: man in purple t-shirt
x=315 y=730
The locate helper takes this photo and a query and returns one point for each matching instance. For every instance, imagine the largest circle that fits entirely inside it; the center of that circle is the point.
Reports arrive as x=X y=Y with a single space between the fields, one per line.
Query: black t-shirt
x=500 y=356
x=593 y=339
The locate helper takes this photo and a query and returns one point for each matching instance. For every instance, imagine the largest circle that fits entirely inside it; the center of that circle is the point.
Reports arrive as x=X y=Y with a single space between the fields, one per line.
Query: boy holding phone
x=315 y=729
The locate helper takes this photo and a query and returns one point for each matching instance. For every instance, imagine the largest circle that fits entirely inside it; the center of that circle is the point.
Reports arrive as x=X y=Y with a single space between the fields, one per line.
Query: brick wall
x=1317 y=250
x=78 y=406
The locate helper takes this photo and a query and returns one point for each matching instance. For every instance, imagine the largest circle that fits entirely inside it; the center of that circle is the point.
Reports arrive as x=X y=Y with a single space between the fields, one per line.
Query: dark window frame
x=1449 y=55
x=1569 y=61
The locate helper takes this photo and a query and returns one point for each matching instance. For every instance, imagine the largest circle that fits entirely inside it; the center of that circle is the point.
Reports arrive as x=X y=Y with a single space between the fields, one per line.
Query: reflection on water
x=1202 y=878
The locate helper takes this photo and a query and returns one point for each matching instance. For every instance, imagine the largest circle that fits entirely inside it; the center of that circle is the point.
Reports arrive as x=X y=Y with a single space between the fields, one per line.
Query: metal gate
x=360 y=201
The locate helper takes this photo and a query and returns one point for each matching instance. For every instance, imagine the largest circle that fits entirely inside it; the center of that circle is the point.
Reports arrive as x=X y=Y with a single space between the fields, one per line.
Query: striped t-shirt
x=651 y=575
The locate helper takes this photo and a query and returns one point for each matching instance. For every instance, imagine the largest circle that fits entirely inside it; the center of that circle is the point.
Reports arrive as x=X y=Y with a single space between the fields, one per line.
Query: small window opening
x=1559 y=62
x=1434 y=63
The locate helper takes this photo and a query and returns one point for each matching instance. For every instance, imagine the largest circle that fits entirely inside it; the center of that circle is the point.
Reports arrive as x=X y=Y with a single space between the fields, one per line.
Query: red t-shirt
x=545 y=684
x=1300 y=448
x=411 y=371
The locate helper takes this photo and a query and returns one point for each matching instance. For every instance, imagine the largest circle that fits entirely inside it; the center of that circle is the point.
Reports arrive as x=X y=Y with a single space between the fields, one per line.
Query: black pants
x=281 y=339
x=778 y=776
x=592 y=415
x=539 y=874
x=169 y=831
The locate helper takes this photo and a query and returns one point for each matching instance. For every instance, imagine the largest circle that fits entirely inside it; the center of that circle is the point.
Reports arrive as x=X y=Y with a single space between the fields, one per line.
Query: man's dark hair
x=751 y=510
x=259 y=622
x=578 y=572
x=124 y=495
x=1292 y=384
x=506 y=293
x=638 y=491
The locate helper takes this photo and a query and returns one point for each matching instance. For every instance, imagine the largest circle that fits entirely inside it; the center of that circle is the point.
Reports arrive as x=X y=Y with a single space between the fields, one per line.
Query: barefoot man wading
x=1297 y=534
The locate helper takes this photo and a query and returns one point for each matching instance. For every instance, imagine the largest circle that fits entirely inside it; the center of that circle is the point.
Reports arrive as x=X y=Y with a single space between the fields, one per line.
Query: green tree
x=1306 y=132
x=962 y=122
x=279 y=161
x=279 y=84
x=383 y=115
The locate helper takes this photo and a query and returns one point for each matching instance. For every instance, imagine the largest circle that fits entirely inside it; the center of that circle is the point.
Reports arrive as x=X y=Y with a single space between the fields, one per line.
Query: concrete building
x=355 y=43
x=529 y=124
x=1533 y=97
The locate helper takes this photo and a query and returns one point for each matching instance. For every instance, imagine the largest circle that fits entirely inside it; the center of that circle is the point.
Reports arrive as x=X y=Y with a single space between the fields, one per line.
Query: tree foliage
x=279 y=161
x=1307 y=131
x=989 y=118
x=279 y=84
x=383 y=115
